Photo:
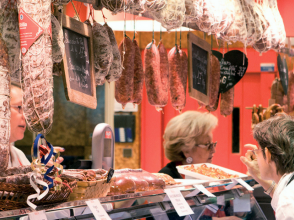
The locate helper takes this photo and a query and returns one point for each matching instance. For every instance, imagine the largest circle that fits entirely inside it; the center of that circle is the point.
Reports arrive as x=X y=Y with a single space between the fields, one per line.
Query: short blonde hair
x=182 y=132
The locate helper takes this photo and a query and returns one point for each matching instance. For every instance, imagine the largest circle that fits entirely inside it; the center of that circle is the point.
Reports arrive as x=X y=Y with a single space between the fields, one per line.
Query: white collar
x=280 y=187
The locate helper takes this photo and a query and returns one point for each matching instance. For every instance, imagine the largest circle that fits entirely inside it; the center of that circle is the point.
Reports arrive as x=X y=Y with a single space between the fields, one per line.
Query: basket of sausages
x=93 y=183
x=15 y=188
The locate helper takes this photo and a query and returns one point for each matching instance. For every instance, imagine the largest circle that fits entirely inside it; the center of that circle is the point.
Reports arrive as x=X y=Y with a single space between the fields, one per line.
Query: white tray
x=182 y=183
x=190 y=174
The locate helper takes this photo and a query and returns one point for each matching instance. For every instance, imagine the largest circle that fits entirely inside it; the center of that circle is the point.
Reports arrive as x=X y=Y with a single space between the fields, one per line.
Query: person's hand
x=59 y=159
x=250 y=162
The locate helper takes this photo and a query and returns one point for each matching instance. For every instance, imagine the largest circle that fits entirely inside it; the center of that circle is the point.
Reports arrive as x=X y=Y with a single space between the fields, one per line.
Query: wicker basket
x=13 y=196
x=90 y=189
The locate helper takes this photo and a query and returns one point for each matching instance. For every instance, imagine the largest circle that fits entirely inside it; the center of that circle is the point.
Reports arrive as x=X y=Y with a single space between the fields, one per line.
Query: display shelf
x=148 y=204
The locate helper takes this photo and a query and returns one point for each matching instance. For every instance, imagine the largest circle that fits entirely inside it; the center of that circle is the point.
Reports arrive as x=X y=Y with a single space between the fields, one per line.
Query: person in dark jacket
x=188 y=139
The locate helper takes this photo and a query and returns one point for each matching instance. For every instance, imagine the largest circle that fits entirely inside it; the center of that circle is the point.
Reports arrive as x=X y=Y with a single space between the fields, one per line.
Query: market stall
x=39 y=39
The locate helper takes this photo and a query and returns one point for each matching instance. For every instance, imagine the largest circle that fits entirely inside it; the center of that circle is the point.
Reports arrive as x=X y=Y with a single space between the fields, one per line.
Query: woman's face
x=17 y=121
x=202 y=155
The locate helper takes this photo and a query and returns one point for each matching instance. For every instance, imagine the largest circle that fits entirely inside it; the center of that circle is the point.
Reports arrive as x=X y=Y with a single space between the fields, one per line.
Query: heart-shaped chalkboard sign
x=283 y=72
x=233 y=67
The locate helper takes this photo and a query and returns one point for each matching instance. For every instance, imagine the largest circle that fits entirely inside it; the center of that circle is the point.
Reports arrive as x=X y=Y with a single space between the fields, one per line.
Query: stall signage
x=108 y=134
x=37 y=215
x=233 y=66
x=200 y=59
x=180 y=204
x=29 y=31
x=283 y=72
x=97 y=210
x=267 y=67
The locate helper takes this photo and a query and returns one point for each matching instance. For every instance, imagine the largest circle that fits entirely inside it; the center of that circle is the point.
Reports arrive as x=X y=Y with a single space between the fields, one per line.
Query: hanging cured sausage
x=138 y=74
x=5 y=107
x=124 y=87
x=227 y=102
x=155 y=90
x=37 y=81
x=178 y=77
x=116 y=66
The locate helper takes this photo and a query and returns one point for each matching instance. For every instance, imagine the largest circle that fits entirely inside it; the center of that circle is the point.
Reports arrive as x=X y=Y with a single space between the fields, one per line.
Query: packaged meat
x=227 y=102
x=250 y=22
x=5 y=106
x=178 y=77
x=172 y=15
x=281 y=32
x=103 y=55
x=116 y=6
x=141 y=184
x=58 y=48
x=155 y=5
x=37 y=81
x=138 y=75
x=153 y=81
x=194 y=10
x=115 y=70
x=137 y=7
x=121 y=184
x=124 y=86
x=228 y=17
x=237 y=31
x=211 y=17
x=154 y=182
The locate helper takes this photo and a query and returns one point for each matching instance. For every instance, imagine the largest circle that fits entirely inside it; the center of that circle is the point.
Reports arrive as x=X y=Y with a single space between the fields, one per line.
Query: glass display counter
x=156 y=205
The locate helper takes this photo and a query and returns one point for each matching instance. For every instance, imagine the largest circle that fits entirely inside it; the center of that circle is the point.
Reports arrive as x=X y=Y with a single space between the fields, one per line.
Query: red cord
x=103 y=16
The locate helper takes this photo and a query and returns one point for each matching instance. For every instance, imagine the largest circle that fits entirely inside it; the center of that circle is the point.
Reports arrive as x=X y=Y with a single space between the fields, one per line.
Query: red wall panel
x=254 y=88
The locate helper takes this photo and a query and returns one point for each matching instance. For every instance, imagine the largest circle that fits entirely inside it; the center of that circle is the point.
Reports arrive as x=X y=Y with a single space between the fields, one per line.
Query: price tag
x=179 y=202
x=221 y=200
x=242 y=182
x=242 y=204
x=37 y=215
x=97 y=210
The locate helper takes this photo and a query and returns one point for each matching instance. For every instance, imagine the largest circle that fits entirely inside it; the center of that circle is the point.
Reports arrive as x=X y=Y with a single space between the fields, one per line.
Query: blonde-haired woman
x=188 y=139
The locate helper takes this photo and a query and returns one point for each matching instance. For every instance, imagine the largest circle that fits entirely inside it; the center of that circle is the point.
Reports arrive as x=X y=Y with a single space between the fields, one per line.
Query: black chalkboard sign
x=76 y=48
x=233 y=67
x=199 y=68
x=199 y=62
x=283 y=72
x=78 y=65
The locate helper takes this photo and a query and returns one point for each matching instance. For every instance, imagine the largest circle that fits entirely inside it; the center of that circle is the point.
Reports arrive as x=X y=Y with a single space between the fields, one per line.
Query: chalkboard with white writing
x=77 y=55
x=78 y=65
x=233 y=66
x=199 y=52
x=199 y=63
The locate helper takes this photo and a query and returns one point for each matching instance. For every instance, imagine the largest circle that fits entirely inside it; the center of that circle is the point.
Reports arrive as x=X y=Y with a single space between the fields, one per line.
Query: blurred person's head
x=275 y=153
x=189 y=135
x=17 y=120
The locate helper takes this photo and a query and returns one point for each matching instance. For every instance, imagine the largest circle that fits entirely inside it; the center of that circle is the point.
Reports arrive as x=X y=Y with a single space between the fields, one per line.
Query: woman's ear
x=268 y=155
x=186 y=153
